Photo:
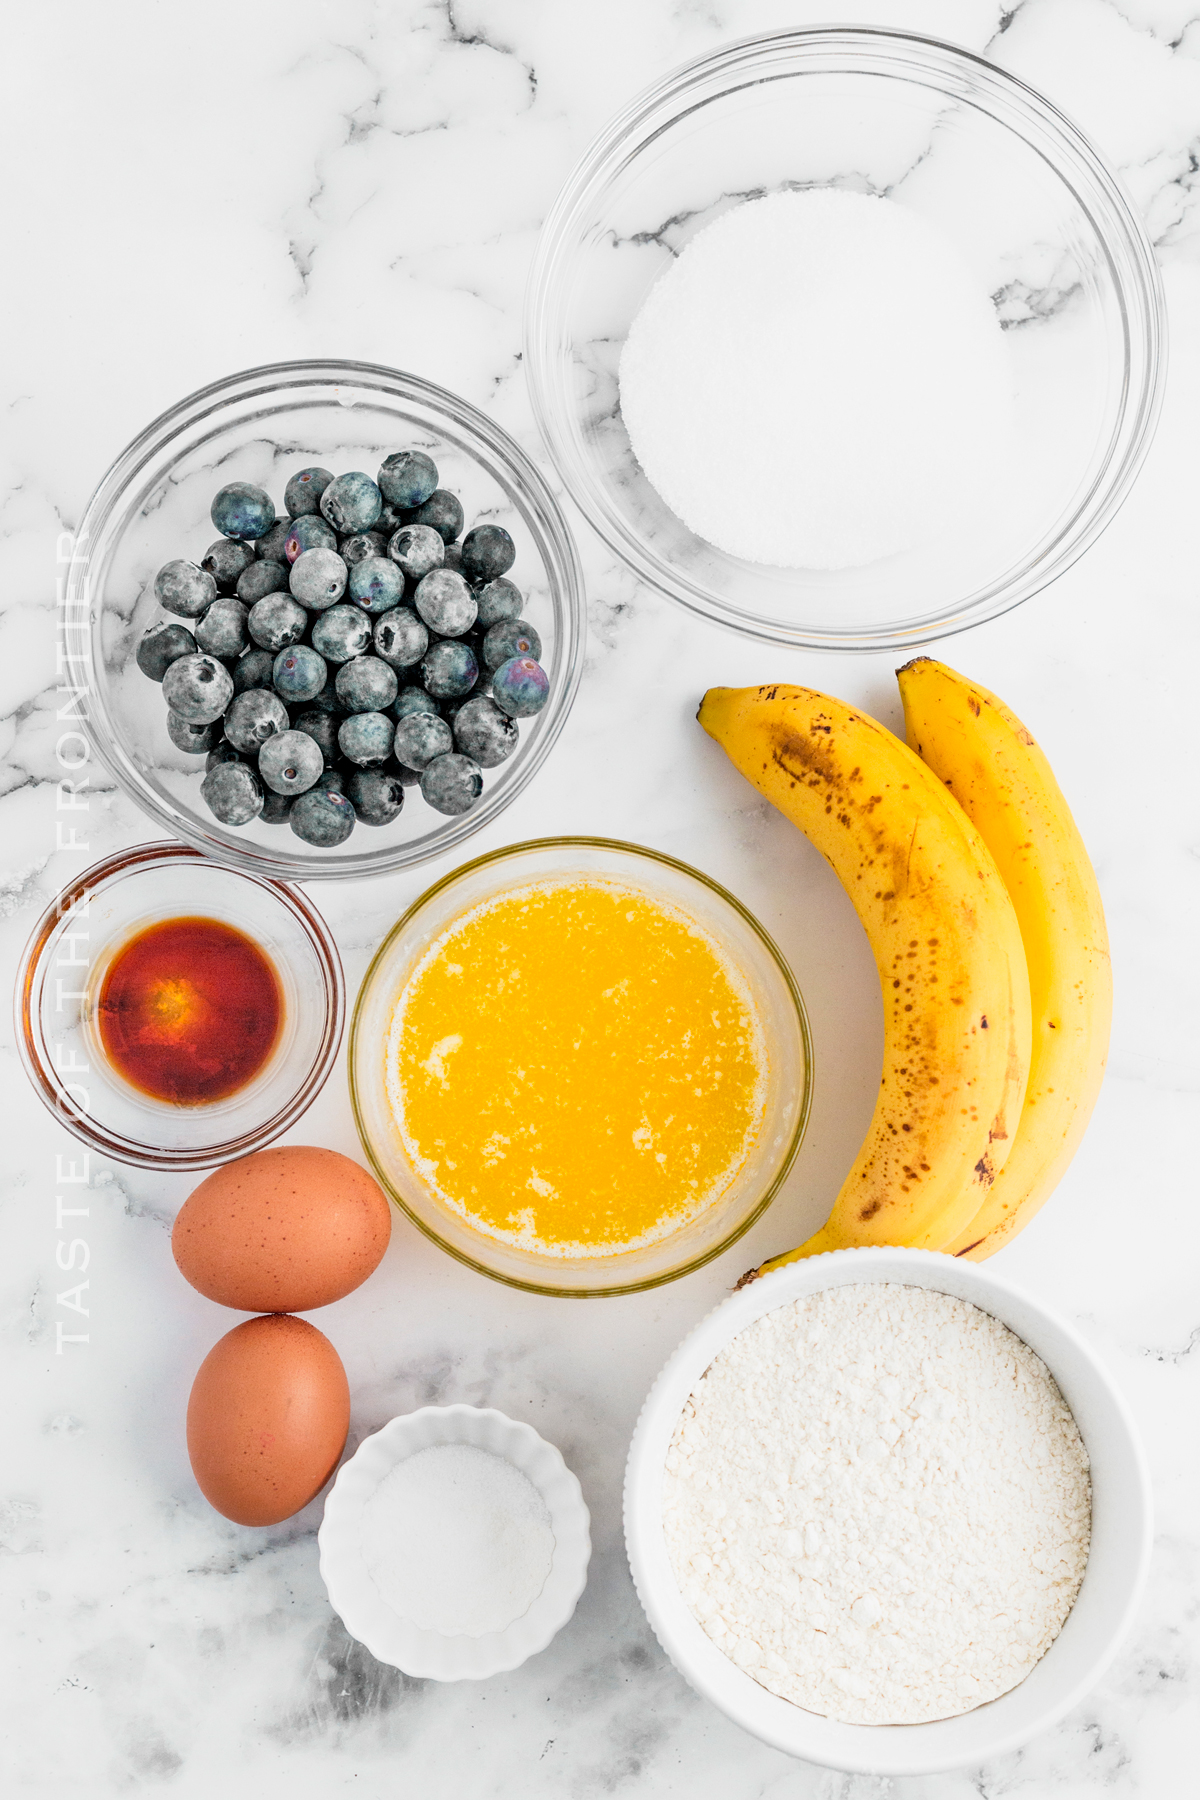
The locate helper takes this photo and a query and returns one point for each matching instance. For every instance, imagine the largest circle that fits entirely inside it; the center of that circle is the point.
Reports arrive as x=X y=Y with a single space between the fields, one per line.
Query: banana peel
x=947 y=946
x=1000 y=777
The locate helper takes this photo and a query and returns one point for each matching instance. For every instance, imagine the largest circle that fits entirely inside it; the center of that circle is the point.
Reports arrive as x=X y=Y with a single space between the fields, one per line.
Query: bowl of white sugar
x=845 y=339
x=887 y=1512
x=455 y=1543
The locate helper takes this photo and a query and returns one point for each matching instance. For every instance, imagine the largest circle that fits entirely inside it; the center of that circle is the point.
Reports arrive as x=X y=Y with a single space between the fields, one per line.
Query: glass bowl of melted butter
x=580 y=1066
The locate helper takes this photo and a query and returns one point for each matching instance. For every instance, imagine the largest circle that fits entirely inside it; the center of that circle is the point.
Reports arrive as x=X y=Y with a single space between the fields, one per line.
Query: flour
x=878 y=1504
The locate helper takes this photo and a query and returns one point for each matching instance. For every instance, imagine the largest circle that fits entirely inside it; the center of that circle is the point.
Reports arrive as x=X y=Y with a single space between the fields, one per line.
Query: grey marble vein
x=195 y=190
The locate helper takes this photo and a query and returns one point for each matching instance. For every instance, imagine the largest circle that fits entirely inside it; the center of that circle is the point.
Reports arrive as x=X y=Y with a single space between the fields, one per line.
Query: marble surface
x=191 y=191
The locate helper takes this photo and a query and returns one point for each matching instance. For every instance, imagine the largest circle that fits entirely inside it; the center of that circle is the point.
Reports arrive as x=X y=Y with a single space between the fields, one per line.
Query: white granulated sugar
x=878 y=1504
x=818 y=381
x=457 y=1540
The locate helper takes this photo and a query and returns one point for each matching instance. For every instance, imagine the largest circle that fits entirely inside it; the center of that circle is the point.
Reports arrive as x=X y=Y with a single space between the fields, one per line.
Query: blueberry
x=318 y=578
x=390 y=520
x=184 y=588
x=352 y=502
x=160 y=645
x=331 y=782
x=233 y=793
x=221 y=752
x=443 y=511
x=511 y=637
x=419 y=738
x=362 y=545
x=452 y=784
x=303 y=492
x=376 y=584
x=187 y=735
x=375 y=795
x=407 y=479
x=485 y=733
x=342 y=632
x=412 y=700
x=400 y=638
x=270 y=546
x=366 y=684
x=321 y=817
x=299 y=673
x=482 y=690
x=276 y=808
x=322 y=728
x=260 y=579
x=449 y=669
x=417 y=549
x=366 y=737
x=446 y=603
x=520 y=687
x=327 y=700
x=225 y=561
x=276 y=622
x=198 y=688
x=497 y=601
x=487 y=551
x=453 y=559
x=252 y=670
x=253 y=716
x=290 y=762
x=222 y=630
x=309 y=532
x=243 y=511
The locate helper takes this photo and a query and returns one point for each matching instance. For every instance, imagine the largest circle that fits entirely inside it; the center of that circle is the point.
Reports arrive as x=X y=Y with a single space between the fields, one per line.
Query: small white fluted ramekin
x=361 y=1607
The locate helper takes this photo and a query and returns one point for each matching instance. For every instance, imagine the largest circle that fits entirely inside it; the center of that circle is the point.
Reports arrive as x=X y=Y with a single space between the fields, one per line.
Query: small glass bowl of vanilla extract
x=174 y=1012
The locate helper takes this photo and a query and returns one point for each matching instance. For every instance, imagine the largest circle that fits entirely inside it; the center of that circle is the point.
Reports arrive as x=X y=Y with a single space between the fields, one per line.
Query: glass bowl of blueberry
x=336 y=619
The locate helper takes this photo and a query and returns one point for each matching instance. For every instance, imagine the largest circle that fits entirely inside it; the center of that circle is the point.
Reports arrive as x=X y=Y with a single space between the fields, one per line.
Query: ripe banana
x=1001 y=779
x=946 y=944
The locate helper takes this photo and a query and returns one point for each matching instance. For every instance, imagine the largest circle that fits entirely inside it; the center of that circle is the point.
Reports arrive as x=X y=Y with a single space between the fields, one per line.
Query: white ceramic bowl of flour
x=350 y=1544
x=1096 y=1625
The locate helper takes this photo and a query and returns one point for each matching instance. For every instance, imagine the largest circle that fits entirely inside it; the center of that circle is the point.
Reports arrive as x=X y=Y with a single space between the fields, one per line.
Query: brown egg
x=267 y=1418
x=282 y=1230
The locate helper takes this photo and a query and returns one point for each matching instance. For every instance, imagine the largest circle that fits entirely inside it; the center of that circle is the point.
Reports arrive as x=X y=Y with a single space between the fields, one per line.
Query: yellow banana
x=946 y=944
x=996 y=772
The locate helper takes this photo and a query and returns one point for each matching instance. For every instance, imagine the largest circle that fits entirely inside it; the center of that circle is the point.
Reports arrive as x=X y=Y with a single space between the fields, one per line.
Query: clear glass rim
x=789 y=1155
x=53 y=1093
x=964 y=76
x=544 y=516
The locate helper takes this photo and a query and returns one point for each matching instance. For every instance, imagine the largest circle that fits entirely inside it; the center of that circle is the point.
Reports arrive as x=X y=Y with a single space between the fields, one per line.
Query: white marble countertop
x=190 y=191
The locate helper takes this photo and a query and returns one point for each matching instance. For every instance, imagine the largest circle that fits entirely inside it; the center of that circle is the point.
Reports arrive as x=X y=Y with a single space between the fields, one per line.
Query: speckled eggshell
x=283 y=1230
x=267 y=1419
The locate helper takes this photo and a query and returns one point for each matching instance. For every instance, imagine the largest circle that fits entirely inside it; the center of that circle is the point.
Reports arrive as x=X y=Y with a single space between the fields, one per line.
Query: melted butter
x=576 y=1068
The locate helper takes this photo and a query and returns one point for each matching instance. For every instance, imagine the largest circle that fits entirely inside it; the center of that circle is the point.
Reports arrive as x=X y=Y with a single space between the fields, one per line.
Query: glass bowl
x=752 y=953
x=59 y=982
x=261 y=426
x=1039 y=220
